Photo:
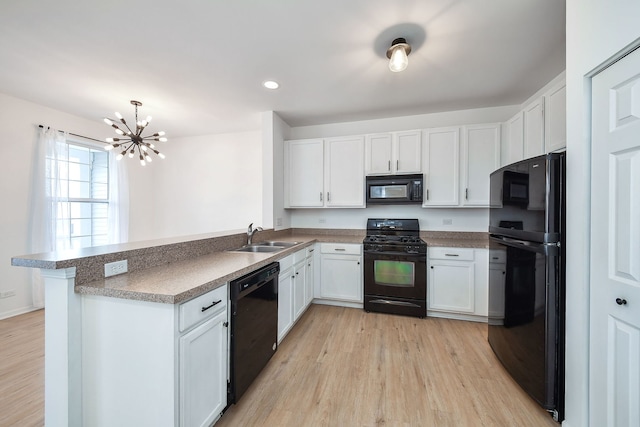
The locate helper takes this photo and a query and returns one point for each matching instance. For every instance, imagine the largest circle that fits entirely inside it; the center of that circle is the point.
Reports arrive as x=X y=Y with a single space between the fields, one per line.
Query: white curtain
x=51 y=156
x=50 y=166
x=118 y=201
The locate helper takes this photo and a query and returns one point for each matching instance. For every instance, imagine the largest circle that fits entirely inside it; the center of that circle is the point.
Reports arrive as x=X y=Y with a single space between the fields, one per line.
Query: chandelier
x=133 y=142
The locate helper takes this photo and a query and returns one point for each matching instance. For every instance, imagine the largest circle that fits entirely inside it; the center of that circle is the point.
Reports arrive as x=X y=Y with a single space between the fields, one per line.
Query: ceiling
x=198 y=65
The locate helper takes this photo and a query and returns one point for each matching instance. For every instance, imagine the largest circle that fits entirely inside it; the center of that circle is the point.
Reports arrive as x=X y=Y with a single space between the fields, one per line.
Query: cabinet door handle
x=297 y=272
x=432 y=267
x=389 y=166
x=321 y=196
x=328 y=196
x=466 y=194
x=427 y=194
x=225 y=324
x=358 y=262
x=340 y=249
x=397 y=164
x=451 y=255
x=212 y=304
x=621 y=301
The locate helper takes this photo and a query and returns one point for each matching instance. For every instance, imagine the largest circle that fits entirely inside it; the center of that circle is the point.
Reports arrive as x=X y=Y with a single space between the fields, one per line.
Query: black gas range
x=395 y=267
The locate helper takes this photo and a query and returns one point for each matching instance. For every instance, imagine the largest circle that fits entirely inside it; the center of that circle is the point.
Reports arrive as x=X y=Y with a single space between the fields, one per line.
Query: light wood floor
x=337 y=367
x=22 y=370
x=345 y=367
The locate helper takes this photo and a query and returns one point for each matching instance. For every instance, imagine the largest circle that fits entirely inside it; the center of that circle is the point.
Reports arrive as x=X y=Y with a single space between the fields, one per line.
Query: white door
x=299 y=289
x=615 y=246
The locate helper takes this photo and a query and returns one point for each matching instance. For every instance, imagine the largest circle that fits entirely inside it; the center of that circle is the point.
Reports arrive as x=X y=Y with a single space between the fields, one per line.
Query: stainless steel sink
x=268 y=246
x=278 y=243
x=258 y=248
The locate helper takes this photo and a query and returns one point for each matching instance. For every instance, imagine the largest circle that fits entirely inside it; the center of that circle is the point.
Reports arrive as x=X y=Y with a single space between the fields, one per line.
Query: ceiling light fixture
x=270 y=84
x=133 y=141
x=398 y=55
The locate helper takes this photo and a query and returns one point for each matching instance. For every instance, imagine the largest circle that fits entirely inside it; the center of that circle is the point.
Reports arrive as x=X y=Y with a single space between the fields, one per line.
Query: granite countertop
x=175 y=270
x=180 y=281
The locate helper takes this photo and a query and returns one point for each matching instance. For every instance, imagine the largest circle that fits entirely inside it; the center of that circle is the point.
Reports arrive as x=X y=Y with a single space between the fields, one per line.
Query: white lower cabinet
x=147 y=363
x=295 y=289
x=457 y=283
x=341 y=273
x=203 y=368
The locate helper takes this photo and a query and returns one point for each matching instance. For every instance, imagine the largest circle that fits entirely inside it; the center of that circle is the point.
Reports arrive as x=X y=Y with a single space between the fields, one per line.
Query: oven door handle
x=396 y=254
x=389 y=302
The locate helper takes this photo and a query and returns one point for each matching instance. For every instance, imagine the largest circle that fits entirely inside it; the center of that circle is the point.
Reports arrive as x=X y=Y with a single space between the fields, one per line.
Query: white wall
x=274 y=132
x=430 y=218
x=391 y=124
x=19 y=120
x=473 y=219
x=596 y=30
x=206 y=183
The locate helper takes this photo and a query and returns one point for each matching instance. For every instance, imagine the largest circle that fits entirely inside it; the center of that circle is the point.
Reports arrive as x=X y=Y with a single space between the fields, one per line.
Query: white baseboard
x=337 y=303
x=17 y=312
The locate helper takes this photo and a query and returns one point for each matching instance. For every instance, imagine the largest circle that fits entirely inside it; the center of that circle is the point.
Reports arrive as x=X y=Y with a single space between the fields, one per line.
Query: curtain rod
x=75 y=134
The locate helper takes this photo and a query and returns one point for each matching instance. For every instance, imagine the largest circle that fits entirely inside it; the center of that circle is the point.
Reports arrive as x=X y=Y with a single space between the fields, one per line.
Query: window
x=82 y=205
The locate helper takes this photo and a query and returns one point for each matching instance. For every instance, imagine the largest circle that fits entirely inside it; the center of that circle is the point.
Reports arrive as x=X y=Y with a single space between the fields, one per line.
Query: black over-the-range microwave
x=394 y=189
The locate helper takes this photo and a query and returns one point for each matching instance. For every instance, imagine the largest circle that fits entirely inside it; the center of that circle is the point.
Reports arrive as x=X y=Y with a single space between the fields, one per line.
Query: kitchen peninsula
x=127 y=327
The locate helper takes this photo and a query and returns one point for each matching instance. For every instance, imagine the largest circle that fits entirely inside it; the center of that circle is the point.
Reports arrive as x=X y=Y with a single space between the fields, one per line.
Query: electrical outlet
x=113 y=268
x=447 y=221
x=8 y=294
x=279 y=222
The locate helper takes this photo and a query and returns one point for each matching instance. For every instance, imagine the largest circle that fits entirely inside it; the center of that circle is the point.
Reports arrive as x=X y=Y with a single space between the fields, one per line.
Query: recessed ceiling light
x=270 y=84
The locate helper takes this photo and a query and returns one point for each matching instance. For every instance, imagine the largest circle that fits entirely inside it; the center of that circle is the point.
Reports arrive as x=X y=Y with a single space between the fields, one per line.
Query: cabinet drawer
x=340 y=248
x=299 y=256
x=453 y=254
x=497 y=256
x=201 y=308
x=310 y=250
x=286 y=262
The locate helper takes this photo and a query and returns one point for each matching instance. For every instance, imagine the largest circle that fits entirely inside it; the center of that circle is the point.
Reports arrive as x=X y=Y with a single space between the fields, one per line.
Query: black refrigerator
x=527 y=276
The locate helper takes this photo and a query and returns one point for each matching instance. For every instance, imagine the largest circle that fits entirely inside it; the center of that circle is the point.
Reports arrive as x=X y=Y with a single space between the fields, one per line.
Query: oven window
x=387 y=191
x=394 y=273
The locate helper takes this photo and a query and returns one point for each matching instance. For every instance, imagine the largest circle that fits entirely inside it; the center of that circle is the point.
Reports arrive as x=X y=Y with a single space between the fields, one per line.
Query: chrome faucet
x=251 y=231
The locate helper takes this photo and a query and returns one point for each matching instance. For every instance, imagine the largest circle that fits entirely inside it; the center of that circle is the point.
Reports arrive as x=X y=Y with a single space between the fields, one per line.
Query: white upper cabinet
x=556 y=118
x=534 y=128
x=540 y=127
x=515 y=140
x=480 y=157
x=407 y=149
x=324 y=173
x=441 y=161
x=344 y=172
x=393 y=153
x=304 y=173
x=378 y=154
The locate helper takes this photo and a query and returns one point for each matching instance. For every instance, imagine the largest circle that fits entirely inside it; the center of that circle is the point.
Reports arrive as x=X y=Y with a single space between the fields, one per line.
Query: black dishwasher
x=254 y=327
